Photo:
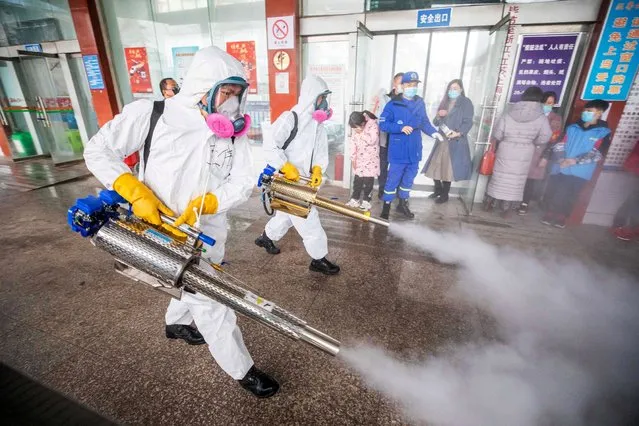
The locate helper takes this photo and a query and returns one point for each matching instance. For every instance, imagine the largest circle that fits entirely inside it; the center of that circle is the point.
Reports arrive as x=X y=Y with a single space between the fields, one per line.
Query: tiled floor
x=68 y=320
x=25 y=176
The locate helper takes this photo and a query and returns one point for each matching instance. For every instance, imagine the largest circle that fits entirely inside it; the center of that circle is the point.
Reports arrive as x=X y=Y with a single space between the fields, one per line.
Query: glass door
x=49 y=104
x=19 y=125
x=486 y=114
x=328 y=58
x=358 y=81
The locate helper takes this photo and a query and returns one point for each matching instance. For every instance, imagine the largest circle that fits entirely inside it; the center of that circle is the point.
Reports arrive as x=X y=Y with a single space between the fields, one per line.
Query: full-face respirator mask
x=224 y=117
x=322 y=111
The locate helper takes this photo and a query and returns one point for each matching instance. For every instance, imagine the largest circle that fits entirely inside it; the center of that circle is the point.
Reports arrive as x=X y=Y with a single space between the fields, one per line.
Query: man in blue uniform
x=404 y=118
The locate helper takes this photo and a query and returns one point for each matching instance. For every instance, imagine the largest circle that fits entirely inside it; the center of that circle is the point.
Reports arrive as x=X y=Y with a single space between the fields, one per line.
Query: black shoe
x=385 y=210
x=259 y=383
x=442 y=199
x=267 y=243
x=185 y=332
x=433 y=195
x=324 y=266
x=523 y=209
x=403 y=208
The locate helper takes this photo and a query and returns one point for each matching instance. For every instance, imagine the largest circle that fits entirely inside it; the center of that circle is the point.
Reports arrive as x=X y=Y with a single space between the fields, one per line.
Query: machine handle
x=188 y=230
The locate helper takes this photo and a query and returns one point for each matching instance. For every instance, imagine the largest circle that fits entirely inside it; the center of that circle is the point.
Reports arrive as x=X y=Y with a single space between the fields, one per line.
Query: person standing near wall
x=378 y=107
x=449 y=159
x=518 y=130
x=537 y=172
x=404 y=119
x=575 y=159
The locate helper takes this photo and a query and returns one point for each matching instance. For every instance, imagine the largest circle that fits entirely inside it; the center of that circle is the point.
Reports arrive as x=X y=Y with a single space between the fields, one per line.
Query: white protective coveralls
x=183 y=152
x=308 y=149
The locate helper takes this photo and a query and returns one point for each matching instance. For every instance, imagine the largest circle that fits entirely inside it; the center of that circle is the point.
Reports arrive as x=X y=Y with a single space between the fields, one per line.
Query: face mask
x=453 y=94
x=228 y=121
x=399 y=90
x=547 y=109
x=176 y=89
x=587 y=116
x=410 y=92
x=322 y=111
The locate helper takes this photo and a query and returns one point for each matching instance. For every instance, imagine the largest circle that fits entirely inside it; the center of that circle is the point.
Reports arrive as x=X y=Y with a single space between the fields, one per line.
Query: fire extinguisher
x=339 y=167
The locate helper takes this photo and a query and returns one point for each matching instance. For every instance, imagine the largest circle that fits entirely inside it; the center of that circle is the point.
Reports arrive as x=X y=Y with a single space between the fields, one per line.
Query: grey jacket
x=518 y=131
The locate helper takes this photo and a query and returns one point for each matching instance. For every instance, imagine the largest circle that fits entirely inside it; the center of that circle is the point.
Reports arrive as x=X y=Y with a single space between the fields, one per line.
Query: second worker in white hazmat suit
x=198 y=165
x=298 y=145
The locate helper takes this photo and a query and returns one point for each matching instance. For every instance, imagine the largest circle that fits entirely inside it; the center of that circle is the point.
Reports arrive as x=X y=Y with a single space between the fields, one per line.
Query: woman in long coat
x=537 y=171
x=518 y=132
x=450 y=159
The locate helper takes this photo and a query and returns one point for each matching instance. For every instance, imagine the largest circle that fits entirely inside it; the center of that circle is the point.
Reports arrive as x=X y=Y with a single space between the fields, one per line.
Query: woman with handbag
x=518 y=131
x=449 y=161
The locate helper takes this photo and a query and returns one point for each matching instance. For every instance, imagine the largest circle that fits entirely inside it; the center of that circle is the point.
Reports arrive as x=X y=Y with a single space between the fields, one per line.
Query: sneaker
x=547 y=219
x=560 y=223
x=365 y=205
x=623 y=234
x=523 y=209
x=353 y=203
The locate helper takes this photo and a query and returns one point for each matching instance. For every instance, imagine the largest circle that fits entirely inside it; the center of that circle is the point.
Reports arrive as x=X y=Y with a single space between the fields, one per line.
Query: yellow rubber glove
x=145 y=204
x=290 y=172
x=189 y=216
x=316 y=176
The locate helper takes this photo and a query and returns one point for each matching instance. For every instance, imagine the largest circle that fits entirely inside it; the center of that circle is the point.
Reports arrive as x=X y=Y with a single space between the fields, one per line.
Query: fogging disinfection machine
x=171 y=264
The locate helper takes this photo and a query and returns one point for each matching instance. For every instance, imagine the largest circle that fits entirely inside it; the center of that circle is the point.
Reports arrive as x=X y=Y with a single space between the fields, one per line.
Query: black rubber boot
x=259 y=383
x=385 y=210
x=267 y=243
x=443 y=197
x=438 y=190
x=403 y=208
x=324 y=266
x=185 y=332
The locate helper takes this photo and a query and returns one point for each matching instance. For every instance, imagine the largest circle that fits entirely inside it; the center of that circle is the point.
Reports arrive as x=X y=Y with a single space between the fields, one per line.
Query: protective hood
x=210 y=67
x=312 y=87
x=525 y=111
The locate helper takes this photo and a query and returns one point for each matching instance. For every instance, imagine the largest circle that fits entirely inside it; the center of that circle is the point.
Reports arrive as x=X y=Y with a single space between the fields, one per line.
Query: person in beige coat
x=518 y=132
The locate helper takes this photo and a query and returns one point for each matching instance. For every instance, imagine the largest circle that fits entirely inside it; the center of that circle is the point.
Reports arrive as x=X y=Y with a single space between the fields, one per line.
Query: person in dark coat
x=450 y=159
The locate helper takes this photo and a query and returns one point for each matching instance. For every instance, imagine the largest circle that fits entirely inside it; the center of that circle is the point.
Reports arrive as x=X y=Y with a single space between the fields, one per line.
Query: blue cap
x=410 y=77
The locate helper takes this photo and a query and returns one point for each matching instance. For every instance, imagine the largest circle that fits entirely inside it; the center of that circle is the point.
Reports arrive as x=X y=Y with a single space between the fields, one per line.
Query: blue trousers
x=400 y=178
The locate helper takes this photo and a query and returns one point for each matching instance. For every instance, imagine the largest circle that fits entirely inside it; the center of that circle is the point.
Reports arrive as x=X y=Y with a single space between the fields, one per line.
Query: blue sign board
x=433 y=18
x=94 y=75
x=616 y=59
x=33 y=48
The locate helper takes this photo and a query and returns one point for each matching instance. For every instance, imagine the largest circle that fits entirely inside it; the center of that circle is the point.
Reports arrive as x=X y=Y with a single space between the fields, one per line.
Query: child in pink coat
x=364 y=156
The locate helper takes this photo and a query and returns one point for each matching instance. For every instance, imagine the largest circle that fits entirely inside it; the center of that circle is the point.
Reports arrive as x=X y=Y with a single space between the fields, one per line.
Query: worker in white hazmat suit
x=297 y=145
x=199 y=164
